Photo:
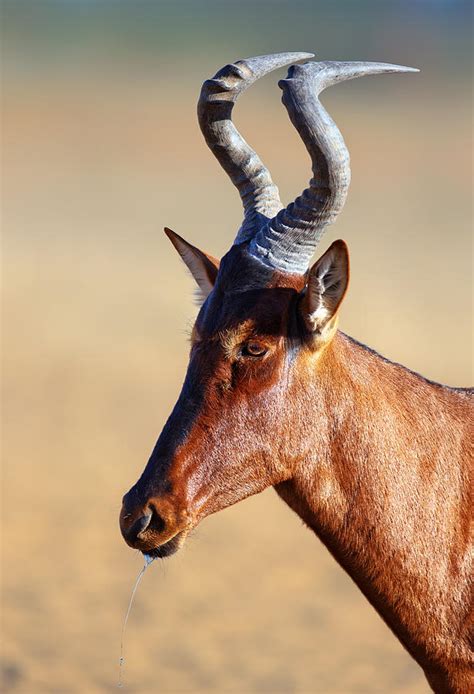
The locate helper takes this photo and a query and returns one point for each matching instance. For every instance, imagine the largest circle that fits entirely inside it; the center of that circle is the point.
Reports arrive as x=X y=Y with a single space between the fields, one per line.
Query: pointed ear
x=326 y=287
x=202 y=266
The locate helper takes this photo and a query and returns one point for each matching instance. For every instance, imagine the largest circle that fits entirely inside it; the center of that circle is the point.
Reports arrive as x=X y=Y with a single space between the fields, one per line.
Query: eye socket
x=254 y=349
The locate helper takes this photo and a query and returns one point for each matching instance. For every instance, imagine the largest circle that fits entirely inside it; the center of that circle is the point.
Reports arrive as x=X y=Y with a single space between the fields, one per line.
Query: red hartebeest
x=373 y=457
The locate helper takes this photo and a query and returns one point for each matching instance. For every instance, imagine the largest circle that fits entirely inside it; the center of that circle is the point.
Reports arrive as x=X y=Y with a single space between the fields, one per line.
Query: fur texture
x=374 y=458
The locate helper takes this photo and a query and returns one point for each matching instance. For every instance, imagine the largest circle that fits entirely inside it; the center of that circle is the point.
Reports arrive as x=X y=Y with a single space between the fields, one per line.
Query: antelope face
x=237 y=426
x=233 y=431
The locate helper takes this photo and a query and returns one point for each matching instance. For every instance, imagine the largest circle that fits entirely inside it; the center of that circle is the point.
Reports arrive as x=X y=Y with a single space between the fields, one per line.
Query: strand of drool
x=148 y=561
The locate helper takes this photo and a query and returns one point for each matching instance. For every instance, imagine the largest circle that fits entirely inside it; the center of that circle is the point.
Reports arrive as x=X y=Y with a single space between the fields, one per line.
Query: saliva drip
x=148 y=560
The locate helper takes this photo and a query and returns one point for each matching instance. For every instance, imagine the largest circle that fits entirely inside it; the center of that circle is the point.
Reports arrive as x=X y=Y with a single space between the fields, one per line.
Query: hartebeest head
x=266 y=319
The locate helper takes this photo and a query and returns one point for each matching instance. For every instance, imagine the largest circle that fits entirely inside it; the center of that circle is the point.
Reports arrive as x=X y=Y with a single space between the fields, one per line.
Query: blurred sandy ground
x=101 y=149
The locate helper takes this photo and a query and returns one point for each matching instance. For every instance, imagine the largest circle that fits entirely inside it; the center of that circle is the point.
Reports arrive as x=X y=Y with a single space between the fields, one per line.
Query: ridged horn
x=259 y=194
x=288 y=241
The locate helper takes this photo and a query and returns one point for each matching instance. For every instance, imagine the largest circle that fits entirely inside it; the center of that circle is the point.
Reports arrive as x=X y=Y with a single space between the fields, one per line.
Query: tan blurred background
x=101 y=149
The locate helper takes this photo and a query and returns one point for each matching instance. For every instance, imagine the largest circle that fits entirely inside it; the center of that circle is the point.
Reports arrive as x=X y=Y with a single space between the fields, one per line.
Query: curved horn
x=259 y=194
x=288 y=241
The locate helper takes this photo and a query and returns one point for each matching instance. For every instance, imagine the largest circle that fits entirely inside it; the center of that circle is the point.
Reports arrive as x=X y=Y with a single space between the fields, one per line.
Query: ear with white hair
x=326 y=287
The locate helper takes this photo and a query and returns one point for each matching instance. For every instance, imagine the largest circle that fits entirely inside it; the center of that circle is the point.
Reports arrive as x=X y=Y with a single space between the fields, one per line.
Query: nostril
x=151 y=520
x=140 y=526
x=156 y=522
x=136 y=528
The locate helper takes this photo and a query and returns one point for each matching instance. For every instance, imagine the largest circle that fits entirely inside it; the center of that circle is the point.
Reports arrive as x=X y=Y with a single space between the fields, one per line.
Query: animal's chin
x=168 y=548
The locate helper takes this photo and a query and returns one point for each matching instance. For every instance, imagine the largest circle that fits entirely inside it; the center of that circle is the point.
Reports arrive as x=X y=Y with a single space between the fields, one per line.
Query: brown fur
x=374 y=458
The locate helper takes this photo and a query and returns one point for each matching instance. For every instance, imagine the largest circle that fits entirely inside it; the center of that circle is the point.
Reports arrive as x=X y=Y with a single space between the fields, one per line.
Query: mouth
x=168 y=548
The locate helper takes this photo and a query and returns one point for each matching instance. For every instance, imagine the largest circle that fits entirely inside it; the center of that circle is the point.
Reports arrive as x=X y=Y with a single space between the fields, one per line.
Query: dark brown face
x=226 y=438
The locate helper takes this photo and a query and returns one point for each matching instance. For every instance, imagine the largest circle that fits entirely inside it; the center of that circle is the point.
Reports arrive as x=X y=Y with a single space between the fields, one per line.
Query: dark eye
x=254 y=349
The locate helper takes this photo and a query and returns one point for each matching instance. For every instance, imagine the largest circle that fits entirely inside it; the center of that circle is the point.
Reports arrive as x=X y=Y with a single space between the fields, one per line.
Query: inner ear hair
x=326 y=287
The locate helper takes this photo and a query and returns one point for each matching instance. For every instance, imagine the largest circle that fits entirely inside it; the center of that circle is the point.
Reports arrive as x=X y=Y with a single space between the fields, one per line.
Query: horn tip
x=297 y=57
x=404 y=68
x=387 y=67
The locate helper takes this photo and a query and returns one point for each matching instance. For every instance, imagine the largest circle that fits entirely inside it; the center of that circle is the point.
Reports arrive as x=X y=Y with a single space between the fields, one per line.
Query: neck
x=381 y=483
